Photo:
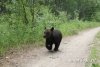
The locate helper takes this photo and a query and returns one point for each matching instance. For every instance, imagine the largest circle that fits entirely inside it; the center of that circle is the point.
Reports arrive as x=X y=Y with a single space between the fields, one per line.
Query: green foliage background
x=23 y=21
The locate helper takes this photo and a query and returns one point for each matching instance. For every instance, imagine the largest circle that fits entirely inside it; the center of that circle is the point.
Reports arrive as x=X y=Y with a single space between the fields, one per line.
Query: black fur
x=52 y=37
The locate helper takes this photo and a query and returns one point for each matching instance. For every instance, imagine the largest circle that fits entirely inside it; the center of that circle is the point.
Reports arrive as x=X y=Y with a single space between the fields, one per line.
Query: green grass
x=95 y=52
x=75 y=26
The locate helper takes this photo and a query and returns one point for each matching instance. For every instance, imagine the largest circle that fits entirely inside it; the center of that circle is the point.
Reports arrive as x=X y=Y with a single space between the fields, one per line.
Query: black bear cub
x=52 y=36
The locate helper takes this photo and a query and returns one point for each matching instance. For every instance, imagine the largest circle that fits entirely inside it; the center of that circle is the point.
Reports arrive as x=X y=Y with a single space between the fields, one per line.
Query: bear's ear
x=52 y=28
x=45 y=28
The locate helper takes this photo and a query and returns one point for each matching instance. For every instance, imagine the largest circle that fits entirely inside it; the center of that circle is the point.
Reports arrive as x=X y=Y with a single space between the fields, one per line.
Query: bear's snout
x=44 y=36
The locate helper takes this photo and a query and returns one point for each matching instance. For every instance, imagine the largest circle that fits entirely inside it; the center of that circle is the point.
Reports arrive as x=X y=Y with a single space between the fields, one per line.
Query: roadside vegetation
x=22 y=22
x=95 y=53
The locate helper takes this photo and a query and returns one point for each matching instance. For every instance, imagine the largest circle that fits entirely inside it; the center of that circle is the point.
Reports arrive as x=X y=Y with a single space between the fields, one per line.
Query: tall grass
x=95 y=53
x=14 y=33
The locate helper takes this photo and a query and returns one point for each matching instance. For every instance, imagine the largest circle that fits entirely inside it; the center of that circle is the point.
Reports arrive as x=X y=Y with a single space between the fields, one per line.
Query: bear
x=52 y=36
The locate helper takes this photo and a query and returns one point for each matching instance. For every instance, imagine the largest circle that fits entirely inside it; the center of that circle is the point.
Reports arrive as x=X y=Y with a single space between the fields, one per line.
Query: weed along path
x=73 y=52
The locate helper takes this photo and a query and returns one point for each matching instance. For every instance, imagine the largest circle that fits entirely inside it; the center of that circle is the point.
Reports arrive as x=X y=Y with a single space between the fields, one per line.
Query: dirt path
x=73 y=53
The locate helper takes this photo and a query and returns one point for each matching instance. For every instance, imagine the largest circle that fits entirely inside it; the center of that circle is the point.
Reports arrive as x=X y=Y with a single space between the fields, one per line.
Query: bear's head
x=48 y=32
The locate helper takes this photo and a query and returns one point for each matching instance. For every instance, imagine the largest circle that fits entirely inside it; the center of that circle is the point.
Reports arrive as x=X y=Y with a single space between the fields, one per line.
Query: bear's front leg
x=49 y=47
x=56 y=47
